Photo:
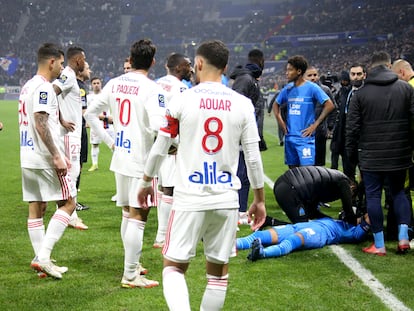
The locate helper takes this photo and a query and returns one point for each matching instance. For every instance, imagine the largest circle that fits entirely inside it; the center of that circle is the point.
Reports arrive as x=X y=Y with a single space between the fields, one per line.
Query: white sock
x=159 y=196
x=36 y=230
x=95 y=154
x=134 y=235
x=163 y=212
x=54 y=232
x=124 y=225
x=215 y=293
x=175 y=289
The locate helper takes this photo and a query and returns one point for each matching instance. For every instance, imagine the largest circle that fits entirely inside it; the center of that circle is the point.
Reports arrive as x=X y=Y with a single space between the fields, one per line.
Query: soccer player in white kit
x=106 y=120
x=212 y=121
x=43 y=162
x=178 y=68
x=138 y=107
x=70 y=107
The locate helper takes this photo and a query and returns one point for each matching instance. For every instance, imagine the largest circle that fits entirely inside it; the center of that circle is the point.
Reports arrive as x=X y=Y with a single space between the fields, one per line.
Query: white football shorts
x=216 y=228
x=44 y=185
x=127 y=191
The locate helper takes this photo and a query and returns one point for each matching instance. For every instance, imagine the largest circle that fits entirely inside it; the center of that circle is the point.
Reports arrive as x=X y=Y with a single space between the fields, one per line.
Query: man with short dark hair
x=137 y=105
x=44 y=165
x=246 y=83
x=178 y=68
x=378 y=133
x=301 y=97
x=70 y=108
x=212 y=121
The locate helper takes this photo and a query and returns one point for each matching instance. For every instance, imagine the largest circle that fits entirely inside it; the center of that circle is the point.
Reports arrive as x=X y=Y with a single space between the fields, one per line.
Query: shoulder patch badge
x=161 y=100
x=43 y=98
x=63 y=78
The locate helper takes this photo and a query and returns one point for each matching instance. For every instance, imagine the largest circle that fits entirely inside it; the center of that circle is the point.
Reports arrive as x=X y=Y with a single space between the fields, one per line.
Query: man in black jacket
x=338 y=135
x=299 y=190
x=378 y=131
x=246 y=83
x=356 y=77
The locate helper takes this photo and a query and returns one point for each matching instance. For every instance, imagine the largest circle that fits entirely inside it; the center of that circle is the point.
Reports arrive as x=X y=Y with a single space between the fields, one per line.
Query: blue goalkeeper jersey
x=301 y=102
x=327 y=231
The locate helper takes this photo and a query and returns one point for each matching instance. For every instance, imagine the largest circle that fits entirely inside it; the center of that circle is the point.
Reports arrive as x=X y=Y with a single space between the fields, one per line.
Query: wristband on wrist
x=145 y=184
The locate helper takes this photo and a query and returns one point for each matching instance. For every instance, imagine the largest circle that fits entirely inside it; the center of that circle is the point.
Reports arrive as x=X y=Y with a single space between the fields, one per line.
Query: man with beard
x=70 y=106
x=178 y=68
x=378 y=138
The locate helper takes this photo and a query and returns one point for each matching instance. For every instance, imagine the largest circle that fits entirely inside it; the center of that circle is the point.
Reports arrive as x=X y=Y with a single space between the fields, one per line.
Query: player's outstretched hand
x=257 y=212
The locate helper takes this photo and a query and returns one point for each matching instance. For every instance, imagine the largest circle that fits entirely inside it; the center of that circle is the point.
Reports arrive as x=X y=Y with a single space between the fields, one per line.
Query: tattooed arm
x=41 y=119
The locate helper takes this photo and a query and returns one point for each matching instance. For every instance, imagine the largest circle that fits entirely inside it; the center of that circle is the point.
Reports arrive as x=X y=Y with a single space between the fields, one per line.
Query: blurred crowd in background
x=331 y=34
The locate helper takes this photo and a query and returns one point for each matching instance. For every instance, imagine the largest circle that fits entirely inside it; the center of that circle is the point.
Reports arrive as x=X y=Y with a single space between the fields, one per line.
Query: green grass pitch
x=304 y=280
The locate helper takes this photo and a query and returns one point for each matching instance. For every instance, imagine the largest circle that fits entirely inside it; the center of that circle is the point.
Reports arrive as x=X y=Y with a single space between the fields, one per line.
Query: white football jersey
x=108 y=126
x=212 y=120
x=70 y=104
x=138 y=109
x=37 y=95
x=171 y=85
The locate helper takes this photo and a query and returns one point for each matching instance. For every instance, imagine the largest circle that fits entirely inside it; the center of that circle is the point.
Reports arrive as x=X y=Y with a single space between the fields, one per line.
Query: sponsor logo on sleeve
x=161 y=100
x=62 y=79
x=43 y=98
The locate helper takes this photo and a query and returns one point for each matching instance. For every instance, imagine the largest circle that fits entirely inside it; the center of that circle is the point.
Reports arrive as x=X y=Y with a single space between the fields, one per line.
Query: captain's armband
x=171 y=127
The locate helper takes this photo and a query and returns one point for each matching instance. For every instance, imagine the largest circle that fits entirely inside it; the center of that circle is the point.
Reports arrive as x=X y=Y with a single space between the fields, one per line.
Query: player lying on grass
x=282 y=240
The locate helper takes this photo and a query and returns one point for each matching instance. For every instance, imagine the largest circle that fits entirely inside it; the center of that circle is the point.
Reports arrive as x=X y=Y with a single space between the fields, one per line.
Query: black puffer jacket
x=314 y=184
x=378 y=125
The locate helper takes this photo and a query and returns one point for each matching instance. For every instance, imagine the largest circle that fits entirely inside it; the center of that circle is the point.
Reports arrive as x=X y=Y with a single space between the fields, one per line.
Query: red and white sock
x=54 y=232
x=36 y=230
x=215 y=293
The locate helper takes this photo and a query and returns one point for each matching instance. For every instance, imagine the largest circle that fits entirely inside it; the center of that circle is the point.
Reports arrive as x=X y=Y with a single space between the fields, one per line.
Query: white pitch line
x=369 y=280
x=363 y=274
x=268 y=182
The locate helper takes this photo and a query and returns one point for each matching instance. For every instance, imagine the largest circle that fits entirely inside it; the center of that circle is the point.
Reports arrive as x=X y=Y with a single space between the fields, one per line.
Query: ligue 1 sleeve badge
x=43 y=98
x=62 y=79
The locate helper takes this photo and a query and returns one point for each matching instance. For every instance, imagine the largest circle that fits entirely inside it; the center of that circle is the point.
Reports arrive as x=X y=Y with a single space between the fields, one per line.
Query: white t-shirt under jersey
x=138 y=109
x=70 y=104
x=212 y=121
x=37 y=95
